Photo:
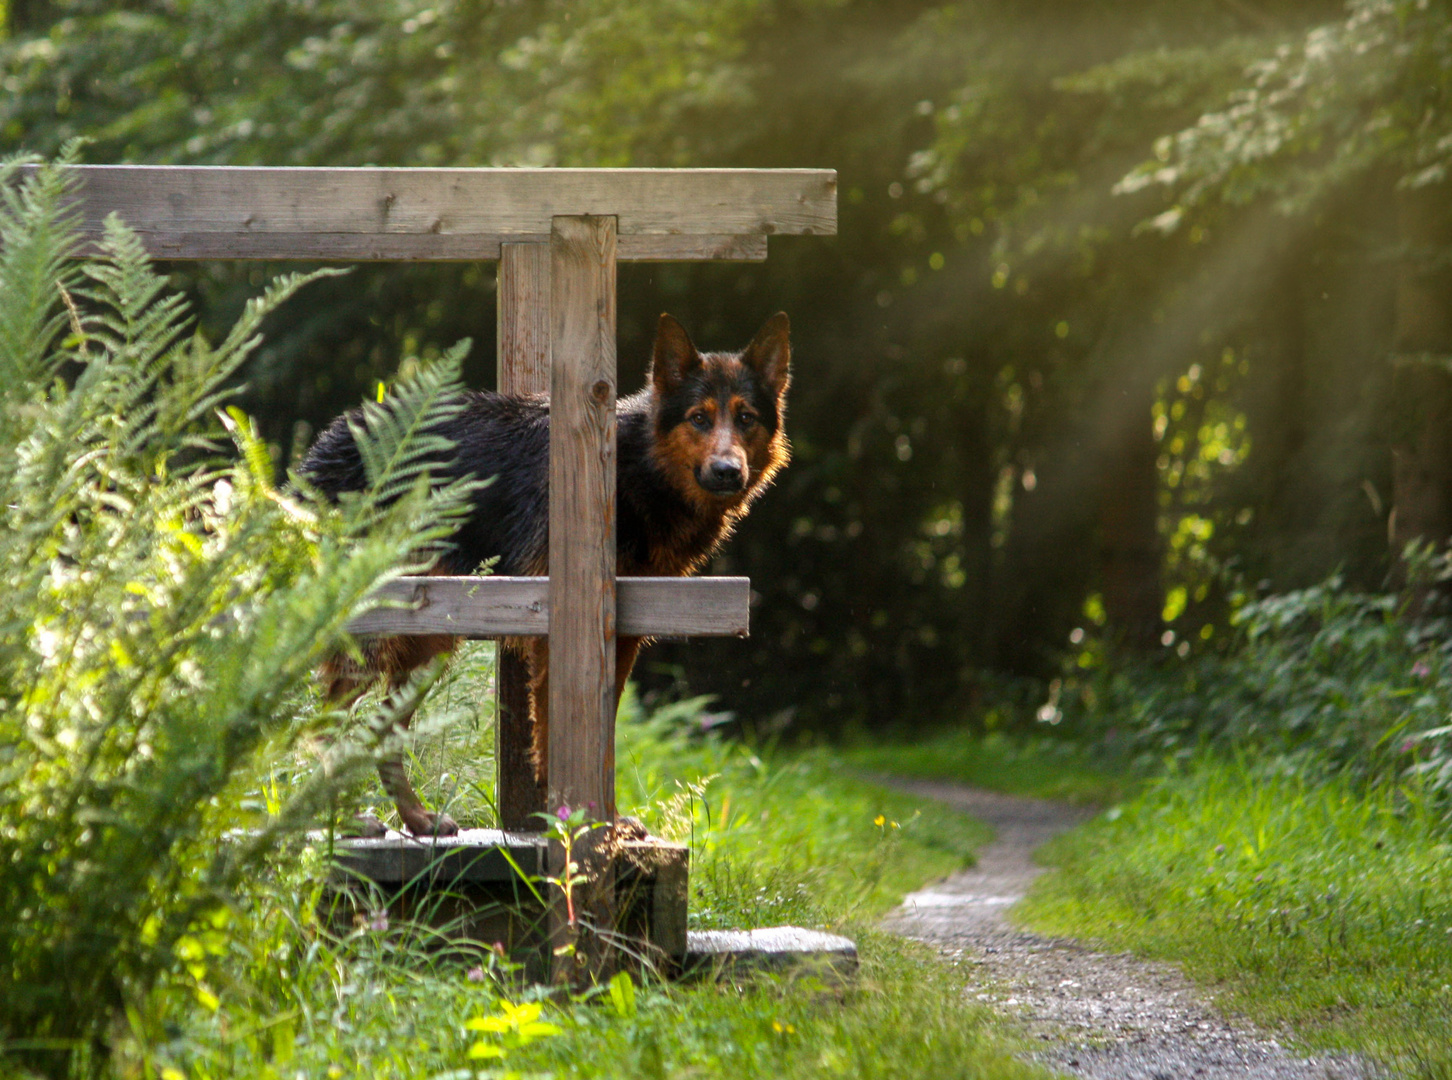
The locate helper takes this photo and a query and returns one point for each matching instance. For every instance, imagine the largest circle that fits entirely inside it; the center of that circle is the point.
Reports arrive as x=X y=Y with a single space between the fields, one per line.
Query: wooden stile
x=558 y=234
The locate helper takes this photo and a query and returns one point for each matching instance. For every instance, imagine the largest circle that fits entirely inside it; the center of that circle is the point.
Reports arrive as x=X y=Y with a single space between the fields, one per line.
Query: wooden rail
x=492 y=607
x=440 y=215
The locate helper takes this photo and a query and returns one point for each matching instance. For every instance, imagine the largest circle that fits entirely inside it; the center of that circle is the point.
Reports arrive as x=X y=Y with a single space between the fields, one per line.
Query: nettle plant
x=165 y=607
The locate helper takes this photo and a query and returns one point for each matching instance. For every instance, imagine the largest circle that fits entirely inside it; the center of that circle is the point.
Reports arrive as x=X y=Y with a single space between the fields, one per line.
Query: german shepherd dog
x=694 y=449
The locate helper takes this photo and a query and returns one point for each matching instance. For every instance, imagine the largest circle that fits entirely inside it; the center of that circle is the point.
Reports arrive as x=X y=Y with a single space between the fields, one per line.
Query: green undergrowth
x=1039 y=766
x=1321 y=909
x=775 y=838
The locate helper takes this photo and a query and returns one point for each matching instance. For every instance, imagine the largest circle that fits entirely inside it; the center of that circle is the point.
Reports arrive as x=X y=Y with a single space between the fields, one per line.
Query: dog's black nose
x=722 y=475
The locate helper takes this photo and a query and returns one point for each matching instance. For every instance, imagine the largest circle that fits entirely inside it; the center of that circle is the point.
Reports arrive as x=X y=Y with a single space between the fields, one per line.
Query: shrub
x=165 y=606
x=1329 y=676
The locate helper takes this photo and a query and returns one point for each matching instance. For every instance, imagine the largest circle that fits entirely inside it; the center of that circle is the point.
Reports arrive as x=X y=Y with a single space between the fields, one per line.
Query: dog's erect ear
x=674 y=357
x=770 y=353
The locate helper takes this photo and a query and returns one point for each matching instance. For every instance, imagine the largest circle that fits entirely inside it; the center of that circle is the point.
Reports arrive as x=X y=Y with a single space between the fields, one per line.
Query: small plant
x=512 y=1027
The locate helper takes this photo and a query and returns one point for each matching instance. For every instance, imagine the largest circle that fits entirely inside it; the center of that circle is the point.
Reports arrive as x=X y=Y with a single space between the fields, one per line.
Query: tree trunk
x=1422 y=387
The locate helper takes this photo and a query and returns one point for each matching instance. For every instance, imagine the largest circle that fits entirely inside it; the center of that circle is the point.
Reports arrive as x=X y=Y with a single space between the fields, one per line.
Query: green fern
x=166 y=608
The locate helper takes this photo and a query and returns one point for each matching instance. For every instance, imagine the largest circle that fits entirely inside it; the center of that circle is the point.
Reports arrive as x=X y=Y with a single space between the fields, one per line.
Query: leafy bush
x=1327 y=675
x=165 y=606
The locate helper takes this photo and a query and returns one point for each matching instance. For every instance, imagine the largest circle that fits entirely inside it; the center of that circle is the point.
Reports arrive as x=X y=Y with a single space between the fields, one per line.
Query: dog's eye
x=745 y=420
x=700 y=420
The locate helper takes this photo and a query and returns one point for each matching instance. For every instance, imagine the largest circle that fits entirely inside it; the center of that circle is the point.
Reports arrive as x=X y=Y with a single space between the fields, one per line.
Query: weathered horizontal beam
x=245 y=212
x=491 y=607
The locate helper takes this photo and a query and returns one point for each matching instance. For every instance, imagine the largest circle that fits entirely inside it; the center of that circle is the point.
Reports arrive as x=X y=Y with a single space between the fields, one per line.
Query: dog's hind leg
x=626 y=650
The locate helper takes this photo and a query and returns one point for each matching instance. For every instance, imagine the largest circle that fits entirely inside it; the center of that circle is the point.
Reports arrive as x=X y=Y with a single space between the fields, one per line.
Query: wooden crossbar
x=492 y=607
x=441 y=215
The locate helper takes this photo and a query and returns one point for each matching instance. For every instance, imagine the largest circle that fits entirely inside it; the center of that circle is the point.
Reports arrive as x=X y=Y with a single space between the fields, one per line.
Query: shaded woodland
x=1137 y=310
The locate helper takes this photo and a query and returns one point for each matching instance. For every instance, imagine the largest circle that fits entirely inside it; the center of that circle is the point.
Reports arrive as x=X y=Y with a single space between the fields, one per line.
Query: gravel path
x=1109 y=1017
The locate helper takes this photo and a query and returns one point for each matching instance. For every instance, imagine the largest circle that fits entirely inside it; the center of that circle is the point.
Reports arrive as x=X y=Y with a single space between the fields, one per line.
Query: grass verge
x=1320 y=909
x=1037 y=766
x=775 y=838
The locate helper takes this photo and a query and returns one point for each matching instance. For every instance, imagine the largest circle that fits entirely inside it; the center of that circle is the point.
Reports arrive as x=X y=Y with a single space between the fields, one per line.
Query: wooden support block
x=523 y=357
x=492 y=607
x=363 y=214
x=485 y=886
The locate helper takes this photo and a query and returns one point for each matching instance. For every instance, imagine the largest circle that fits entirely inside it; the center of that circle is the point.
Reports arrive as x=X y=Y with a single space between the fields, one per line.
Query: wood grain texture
x=354 y=248
x=195 y=212
x=523 y=357
x=581 y=766
x=491 y=607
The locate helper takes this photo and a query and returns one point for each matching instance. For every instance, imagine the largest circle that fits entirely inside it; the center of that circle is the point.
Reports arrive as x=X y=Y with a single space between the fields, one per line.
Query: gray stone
x=776 y=949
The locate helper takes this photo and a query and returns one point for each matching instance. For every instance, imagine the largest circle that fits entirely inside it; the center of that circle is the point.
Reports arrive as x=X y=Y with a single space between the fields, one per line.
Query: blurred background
x=1138 y=309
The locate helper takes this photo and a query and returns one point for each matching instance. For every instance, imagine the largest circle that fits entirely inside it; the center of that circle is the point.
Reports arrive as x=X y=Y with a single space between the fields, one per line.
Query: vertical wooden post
x=522 y=350
x=581 y=764
x=582 y=515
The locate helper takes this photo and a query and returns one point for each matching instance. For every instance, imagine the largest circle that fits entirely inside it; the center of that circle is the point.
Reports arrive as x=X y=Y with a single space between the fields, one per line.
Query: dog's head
x=719 y=416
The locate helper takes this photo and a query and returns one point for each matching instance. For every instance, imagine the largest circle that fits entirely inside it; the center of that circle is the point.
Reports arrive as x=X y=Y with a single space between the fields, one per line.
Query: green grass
x=1039 y=766
x=1321 y=910
x=775 y=839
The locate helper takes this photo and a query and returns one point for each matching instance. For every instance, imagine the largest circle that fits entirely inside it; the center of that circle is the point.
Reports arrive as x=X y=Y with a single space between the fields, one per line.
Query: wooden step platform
x=488 y=887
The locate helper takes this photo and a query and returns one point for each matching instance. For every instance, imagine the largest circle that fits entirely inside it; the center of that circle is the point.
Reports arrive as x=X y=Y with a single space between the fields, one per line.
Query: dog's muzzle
x=722 y=477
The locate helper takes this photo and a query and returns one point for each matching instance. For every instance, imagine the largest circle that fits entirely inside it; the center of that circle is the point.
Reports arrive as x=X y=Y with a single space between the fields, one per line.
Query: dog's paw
x=425 y=823
x=365 y=827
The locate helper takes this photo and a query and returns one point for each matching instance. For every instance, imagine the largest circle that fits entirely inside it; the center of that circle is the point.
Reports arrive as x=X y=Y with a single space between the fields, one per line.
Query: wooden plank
x=522 y=338
x=581 y=756
x=582 y=515
x=522 y=353
x=400 y=247
x=491 y=607
x=369 y=213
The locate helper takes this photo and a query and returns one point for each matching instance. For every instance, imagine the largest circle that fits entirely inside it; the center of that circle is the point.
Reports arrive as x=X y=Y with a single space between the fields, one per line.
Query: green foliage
x=796 y=837
x=1319 y=908
x=1365 y=94
x=1040 y=766
x=1327 y=676
x=166 y=607
x=778 y=838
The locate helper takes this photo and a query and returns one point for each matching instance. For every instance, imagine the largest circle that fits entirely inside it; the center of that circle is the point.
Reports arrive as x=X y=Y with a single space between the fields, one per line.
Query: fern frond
x=38 y=237
x=398 y=439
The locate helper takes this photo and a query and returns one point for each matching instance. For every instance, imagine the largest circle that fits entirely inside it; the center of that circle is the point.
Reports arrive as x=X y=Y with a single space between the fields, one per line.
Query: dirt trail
x=1109 y=1017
